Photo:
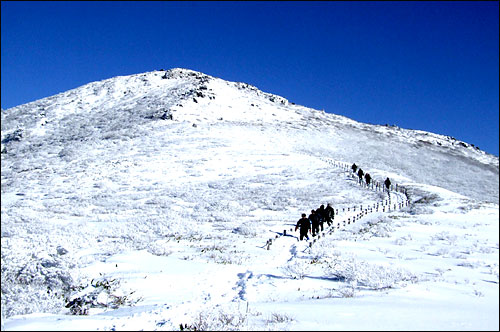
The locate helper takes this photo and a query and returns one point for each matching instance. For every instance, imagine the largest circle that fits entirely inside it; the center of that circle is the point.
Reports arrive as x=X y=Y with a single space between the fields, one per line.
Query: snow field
x=167 y=220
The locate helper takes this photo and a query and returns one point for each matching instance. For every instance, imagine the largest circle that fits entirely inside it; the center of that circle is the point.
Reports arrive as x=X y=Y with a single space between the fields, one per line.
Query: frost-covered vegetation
x=147 y=201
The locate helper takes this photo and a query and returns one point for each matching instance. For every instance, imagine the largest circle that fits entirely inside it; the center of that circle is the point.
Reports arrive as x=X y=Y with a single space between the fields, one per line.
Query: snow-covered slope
x=171 y=182
x=122 y=108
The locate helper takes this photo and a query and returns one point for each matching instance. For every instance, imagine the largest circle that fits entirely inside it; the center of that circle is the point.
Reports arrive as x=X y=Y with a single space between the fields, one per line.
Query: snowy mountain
x=150 y=199
x=124 y=108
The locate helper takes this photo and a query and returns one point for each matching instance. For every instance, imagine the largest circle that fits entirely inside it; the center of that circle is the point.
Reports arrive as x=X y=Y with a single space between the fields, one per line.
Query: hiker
x=330 y=214
x=360 y=174
x=313 y=217
x=387 y=183
x=304 y=226
x=354 y=167
x=321 y=215
x=368 y=178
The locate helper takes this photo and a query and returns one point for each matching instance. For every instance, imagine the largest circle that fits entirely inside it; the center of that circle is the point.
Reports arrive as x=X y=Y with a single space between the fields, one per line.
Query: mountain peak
x=184 y=73
x=156 y=102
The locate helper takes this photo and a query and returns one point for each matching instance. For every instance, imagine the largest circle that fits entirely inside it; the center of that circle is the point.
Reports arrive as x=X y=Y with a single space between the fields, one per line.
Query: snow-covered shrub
x=100 y=293
x=367 y=275
x=402 y=240
x=458 y=255
x=428 y=198
x=296 y=269
x=13 y=136
x=246 y=229
x=494 y=270
x=445 y=236
x=217 y=320
x=381 y=227
x=159 y=248
x=222 y=216
x=486 y=250
x=36 y=285
x=221 y=255
x=378 y=277
x=424 y=222
x=276 y=318
x=443 y=251
x=346 y=291
x=233 y=257
x=20 y=299
x=470 y=264
x=324 y=251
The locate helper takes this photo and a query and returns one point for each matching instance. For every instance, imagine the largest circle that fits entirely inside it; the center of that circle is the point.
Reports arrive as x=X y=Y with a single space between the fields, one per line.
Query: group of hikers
x=367 y=176
x=315 y=221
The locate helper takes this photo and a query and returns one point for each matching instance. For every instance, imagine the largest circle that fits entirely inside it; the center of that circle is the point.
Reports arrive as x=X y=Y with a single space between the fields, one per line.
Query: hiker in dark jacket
x=330 y=214
x=387 y=183
x=313 y=217
x=368 y=179
x=354 y=167
x=305 y=226
x=360 y=174
x=321 y=215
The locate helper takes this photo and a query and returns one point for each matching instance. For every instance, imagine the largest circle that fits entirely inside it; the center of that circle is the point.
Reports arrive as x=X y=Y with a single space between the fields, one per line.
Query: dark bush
x=12 y=137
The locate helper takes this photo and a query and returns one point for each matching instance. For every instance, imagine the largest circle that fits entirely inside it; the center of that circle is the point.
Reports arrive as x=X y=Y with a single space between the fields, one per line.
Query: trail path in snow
x=396 y=199
x=285 y=246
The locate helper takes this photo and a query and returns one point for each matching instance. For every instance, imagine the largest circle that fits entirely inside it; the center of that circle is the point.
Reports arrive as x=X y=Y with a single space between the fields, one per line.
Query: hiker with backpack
x=305 y=227
x=368 y=179
x=321 y=215
x=387 y=183
x=360 y=175
x=330 y=214
x=313 y=217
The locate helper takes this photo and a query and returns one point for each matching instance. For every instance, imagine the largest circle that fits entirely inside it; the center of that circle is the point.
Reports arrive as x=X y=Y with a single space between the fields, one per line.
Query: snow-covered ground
x=151 y=199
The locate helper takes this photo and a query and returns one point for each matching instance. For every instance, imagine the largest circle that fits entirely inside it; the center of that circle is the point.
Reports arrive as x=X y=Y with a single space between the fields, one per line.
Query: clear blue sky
x=431 y=66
